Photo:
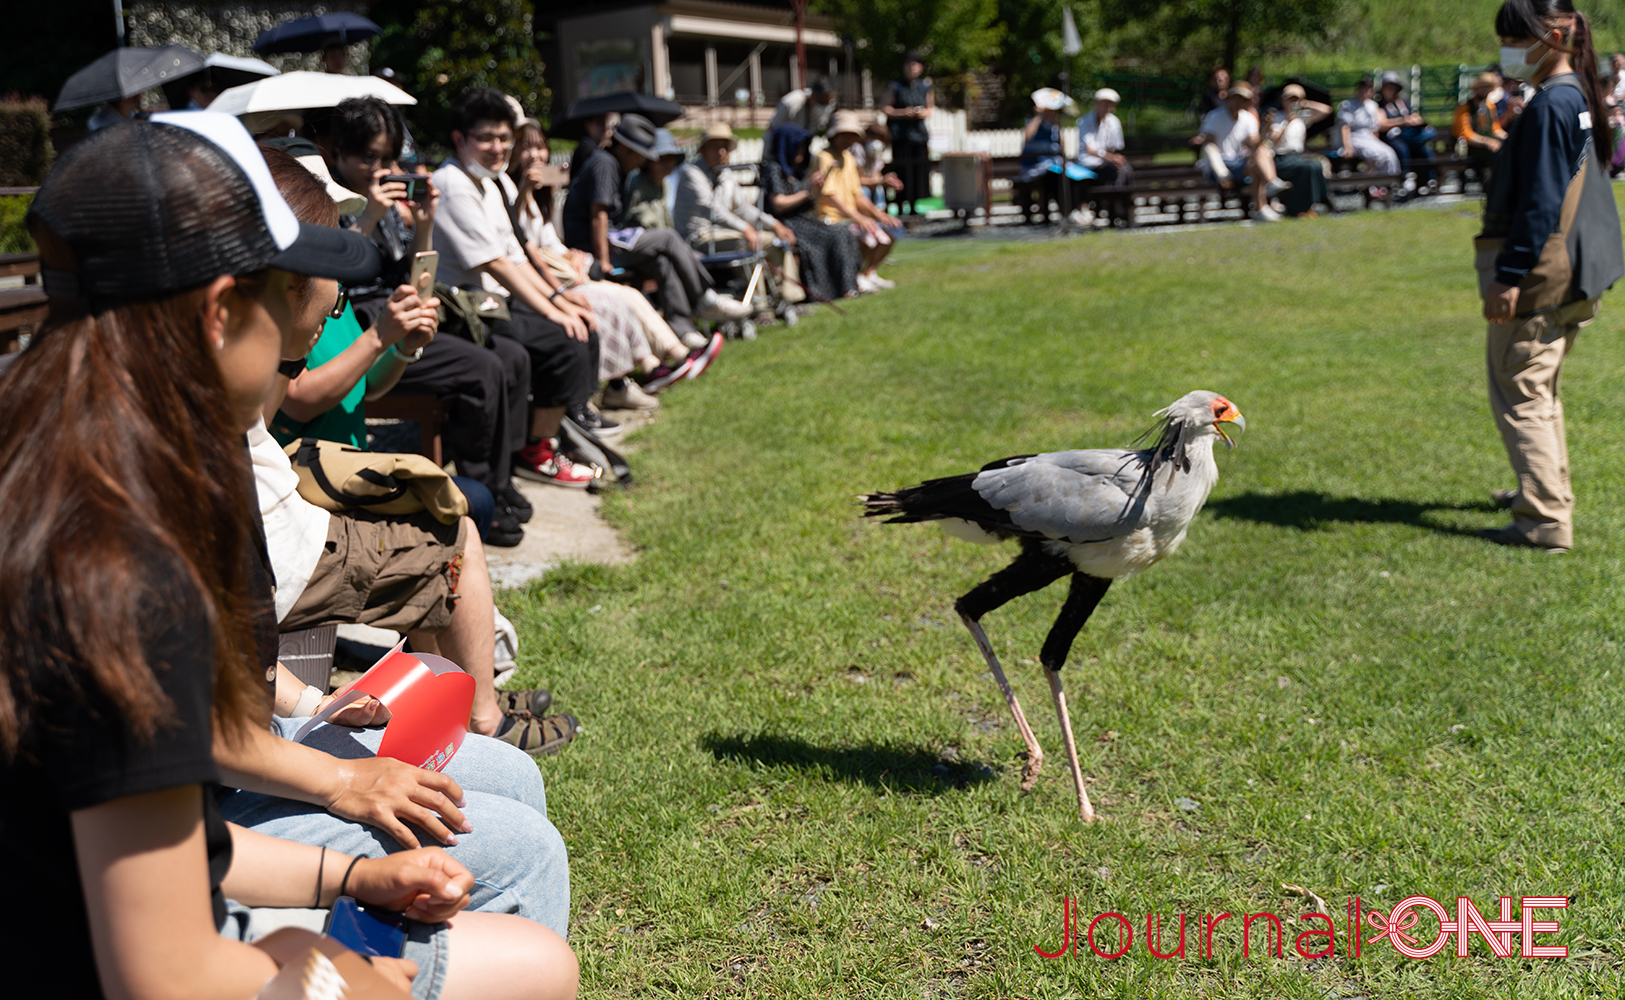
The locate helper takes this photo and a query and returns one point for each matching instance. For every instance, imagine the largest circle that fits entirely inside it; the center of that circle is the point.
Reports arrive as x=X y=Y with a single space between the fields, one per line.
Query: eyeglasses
x=337 y=312
x=491 y=139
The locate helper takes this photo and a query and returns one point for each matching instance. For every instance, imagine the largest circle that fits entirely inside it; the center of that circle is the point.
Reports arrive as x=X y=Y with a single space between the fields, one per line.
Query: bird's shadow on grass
x=891 y=766
x=1307 y=510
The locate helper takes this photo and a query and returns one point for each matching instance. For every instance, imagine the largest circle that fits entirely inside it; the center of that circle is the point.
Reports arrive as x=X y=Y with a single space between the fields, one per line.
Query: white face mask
x=1514 y=61
x=479 y=172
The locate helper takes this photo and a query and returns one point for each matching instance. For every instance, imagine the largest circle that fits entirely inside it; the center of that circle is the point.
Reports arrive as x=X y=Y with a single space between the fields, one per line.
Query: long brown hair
x=543 y=196
x=120 y=464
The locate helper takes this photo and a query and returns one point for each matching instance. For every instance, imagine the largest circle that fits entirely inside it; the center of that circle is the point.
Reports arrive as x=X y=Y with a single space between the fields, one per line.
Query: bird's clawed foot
x=1030 y=768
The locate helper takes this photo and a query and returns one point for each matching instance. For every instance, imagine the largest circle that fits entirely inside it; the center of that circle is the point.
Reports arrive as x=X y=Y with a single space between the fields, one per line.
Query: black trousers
x=662 y=254
x=912 y=162
x=485 y=391
x=563 y=370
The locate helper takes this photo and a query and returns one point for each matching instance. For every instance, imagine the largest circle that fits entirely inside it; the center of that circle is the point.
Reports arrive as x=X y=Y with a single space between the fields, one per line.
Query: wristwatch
x=402 y=355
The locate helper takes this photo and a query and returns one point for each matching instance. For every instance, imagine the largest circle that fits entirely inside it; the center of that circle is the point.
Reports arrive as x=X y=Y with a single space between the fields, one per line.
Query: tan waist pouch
x=337 y=477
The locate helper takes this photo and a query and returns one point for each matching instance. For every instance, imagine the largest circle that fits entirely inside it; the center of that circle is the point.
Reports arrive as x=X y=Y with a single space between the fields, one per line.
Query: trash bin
x=965 y=182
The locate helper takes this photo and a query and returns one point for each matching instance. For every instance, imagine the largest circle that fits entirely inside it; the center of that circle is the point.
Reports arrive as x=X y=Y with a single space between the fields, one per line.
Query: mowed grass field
x=798 y=780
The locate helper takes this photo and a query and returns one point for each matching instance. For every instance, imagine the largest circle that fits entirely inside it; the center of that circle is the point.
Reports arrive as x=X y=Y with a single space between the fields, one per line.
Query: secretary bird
x=1099 y=515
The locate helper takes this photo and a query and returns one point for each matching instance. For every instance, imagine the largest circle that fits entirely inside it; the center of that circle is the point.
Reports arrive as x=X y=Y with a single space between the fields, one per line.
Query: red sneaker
x=699 y=361
x=541 y=463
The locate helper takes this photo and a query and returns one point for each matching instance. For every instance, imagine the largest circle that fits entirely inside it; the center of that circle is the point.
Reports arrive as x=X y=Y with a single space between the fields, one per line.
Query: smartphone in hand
x=424 y=267
x=367 y=930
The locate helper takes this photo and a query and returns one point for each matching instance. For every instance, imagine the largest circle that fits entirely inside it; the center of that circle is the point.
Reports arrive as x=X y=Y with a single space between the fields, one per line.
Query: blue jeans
x=482 y=506
x=516 y=855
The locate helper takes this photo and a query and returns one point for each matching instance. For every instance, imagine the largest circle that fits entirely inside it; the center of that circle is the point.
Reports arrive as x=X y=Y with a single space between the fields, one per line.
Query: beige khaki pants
x=1525 y=359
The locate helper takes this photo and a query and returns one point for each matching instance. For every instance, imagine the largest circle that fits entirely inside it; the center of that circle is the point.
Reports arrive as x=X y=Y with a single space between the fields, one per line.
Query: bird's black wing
x=950 y=497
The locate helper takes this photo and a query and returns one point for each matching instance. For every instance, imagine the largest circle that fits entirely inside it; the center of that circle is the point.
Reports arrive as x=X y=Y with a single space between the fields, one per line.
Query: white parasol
x=301 y=90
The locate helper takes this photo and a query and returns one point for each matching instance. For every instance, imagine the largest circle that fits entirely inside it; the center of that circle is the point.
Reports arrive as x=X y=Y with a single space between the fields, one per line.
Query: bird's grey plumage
x=1098 y=515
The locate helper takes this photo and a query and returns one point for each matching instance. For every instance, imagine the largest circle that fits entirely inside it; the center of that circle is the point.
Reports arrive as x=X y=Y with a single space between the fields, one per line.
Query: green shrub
x=25 y=142
x=14 y=236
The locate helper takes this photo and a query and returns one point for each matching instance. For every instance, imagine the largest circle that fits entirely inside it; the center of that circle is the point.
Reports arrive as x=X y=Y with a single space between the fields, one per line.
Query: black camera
x=417 y=185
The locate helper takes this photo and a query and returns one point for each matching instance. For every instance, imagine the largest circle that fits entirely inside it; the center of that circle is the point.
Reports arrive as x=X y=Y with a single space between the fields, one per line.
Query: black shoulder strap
x=513 y=212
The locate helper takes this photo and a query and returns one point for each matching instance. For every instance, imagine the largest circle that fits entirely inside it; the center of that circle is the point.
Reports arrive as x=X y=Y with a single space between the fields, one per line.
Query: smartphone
x=424 y=266
x=367 y=930
x=417 y=185
x=556 y=175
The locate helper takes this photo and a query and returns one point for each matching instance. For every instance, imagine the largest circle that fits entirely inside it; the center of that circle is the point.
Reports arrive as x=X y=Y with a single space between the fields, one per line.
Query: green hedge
x=14 y=236
x=25 y=142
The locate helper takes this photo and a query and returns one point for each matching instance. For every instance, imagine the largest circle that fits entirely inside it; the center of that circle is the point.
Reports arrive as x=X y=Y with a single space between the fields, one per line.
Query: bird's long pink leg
x=1035 y=754
x=1086 y=811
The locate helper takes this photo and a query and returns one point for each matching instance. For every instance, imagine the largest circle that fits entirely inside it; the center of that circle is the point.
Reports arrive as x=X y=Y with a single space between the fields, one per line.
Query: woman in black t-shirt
x=128 y=590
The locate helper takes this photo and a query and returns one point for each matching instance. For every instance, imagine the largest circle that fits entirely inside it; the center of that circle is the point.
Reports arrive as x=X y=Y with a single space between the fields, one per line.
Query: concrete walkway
x=566 y=526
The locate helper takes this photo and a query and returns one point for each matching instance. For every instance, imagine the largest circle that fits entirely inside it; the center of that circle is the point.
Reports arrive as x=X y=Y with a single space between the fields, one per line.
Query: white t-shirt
x=1230 y=134
x=295 y=528
x=1293 y=135
x=471 y=227
x=540 y=233
x=1094 y=138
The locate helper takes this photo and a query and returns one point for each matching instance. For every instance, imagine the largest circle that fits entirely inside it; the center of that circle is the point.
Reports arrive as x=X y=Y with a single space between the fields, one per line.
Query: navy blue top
x=1547 y=147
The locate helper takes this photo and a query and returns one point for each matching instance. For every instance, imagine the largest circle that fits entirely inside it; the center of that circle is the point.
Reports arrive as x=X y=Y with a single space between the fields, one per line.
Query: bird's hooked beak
x=1228 y=414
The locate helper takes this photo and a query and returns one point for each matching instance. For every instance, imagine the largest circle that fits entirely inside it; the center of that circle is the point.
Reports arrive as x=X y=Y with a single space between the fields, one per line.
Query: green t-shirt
x=346 y=422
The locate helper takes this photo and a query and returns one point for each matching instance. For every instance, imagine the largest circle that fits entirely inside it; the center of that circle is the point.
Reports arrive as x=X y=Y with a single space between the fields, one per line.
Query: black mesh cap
x=157 y=206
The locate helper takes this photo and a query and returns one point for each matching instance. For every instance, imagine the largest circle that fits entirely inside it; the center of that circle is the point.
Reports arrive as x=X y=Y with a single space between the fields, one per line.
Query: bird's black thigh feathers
x=1080 y=603
x=1034 y=569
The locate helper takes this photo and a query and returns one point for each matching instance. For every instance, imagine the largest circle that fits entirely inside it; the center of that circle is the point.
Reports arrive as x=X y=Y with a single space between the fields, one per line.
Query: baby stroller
x=748 y=274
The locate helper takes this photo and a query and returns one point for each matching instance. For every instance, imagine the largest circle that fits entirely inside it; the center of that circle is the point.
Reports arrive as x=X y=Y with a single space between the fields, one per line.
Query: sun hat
x=1049 y=99
x=665 y=145
x=1108 y=94
x=1486 y=79
x=719 y=132
x=1293 y=90
x=157 y=206
x=637 y=133
x=1242 y=89
x=845 y=121
x=311 y=159
x=1394 y=78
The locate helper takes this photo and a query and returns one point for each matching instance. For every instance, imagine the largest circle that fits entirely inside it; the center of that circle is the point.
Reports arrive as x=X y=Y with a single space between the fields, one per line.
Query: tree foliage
x=1219 y=29
x=954 y=35
x=444 y=47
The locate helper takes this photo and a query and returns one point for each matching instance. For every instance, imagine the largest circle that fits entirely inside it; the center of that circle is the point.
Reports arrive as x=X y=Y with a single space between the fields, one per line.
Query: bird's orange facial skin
x=1224 y=412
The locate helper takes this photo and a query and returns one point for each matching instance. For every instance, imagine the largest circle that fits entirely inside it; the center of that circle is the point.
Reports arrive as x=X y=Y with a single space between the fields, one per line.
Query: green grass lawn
x=797 y=779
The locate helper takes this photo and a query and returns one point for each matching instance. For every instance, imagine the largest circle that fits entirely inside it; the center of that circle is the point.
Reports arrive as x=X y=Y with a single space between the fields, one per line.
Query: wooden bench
x=23 y=309
x=426 y=410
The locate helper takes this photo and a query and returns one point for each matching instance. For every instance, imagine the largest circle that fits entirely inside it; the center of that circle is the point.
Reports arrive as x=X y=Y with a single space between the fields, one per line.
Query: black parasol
x=126 y=73
x=658 y=110
x=315 y=33
x=1311 y=91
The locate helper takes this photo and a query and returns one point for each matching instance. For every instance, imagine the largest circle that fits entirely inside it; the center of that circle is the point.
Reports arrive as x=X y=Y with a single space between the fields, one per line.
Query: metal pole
x=118 y=20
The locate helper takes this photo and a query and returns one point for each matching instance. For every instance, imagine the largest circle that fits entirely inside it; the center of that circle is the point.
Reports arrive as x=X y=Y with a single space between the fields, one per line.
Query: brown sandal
x=539 y=737
x=533 y=701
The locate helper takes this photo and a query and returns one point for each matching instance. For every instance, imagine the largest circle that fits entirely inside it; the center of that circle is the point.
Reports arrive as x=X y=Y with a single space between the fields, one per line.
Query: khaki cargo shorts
x=395 y=572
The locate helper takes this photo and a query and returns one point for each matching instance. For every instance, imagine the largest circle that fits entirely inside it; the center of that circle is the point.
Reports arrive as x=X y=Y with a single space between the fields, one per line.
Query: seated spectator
x=829 y=254
x=1233 y=151
x=1039 y=177
x=646 y=186
x=1404 y=129
x=595 y=200
x=1358 y=119
x=134 y=647
x=112 y=112
x=1100 y=149
x=478 y=248
x=712 y=210
x=1306 y=173
x=407 y=573
x=1476 y=124
x=1218 y=88
x=631 y=332
x=809 y=107
x=871 y=157
x=595 y=133
x=841 y=201
x=483 y=387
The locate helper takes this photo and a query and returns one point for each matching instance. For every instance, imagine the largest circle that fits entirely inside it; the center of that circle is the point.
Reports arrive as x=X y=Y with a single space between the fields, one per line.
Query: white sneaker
x=1275 y=187
x=694 y=340
x=879 y=282
x=505 y=651
x=1082 y=217
x=629 y=398
x=867 y=284
x=1267 y=214
x=714 y=306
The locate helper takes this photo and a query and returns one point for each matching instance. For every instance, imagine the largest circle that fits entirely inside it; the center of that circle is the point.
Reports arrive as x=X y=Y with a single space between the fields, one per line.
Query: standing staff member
x=909 y=102
x=1549 y=249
